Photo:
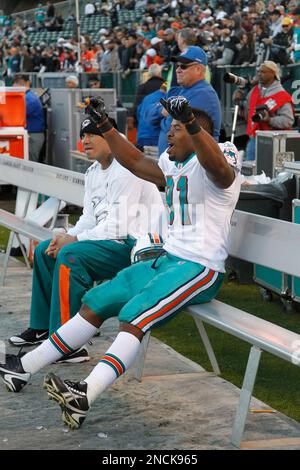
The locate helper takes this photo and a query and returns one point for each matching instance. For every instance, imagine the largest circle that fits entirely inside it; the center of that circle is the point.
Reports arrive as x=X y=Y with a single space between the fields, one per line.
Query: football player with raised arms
x=202 y=181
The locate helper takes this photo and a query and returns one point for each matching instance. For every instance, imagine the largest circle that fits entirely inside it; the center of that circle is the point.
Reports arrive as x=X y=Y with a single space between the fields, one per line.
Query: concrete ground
x=177 y=406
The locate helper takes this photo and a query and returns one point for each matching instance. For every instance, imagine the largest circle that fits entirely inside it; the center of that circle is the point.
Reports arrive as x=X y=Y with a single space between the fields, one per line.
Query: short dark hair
x=21 y=77
x=94 y=78
x=275 y=12
x=188 y=35
x=204 y=120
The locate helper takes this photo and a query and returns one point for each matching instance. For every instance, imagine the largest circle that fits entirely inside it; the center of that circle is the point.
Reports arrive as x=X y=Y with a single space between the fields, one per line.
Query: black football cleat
x=13 y=374
x=72 y=398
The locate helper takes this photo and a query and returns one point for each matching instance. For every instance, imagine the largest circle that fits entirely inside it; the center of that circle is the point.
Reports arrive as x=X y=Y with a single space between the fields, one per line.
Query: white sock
x=115 y=362
x=72 y=335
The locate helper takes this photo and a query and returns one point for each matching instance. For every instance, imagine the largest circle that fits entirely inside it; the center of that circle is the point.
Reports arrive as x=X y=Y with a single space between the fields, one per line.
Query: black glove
x=179 y=108
x=95 y=107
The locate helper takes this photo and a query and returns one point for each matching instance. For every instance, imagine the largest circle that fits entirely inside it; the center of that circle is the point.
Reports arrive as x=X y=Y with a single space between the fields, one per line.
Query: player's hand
x=52 y=253
x=179 y=108
x=52 y=249
x=95 y=107
x=58 y=242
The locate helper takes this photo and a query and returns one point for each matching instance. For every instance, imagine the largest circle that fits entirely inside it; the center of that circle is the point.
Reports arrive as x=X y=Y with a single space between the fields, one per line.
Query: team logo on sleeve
x=232 y=155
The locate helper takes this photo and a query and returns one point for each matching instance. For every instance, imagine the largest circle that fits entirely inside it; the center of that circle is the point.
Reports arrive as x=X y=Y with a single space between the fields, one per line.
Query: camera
x=236 y=80
x=259 y=113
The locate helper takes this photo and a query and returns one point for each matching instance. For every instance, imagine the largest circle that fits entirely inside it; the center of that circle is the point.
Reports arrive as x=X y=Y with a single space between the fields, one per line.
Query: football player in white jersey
x=202 y=181
x=118 y=209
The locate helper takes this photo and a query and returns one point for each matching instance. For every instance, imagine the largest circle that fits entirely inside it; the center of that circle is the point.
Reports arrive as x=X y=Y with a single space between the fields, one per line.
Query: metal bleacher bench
x=269 y=242
x=254 y=238
x=32 y=179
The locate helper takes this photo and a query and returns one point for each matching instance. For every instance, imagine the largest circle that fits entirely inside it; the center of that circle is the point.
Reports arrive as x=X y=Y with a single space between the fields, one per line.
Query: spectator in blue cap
x=190 y=72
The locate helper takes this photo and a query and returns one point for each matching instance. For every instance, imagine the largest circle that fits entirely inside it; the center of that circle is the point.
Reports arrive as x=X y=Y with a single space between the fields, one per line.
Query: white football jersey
x=199 y=211
x=117 y=204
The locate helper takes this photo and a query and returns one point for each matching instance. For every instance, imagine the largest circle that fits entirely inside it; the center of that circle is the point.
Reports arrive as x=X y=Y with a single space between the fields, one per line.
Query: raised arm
x=126 y=153
x=206 y=148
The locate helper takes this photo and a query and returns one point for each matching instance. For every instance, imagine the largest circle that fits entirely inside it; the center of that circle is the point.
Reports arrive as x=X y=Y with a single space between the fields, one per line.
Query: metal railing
x=61 y=8
x=125 y=87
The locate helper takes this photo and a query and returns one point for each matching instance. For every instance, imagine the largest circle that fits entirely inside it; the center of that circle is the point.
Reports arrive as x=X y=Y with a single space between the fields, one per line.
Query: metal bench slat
x=44 y=179
x=254 y=330
x=24 y=227
x=270 y=242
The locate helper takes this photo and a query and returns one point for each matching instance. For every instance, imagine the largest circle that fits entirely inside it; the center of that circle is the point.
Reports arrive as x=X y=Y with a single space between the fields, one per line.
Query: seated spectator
x=60 y=22
x=129 y=58
x=229 y=48
x=32 y=27
x=237 y=29
x=185 y=37
x=276 y=21
x=15 y=60
x=87 y=57
x=8 y=21
x=262 y=49
x=89 y=9
x=281 y=45
x=149 y=57
x=97 y=8
x=36 y=58
x=246 y=22
x=170 y=46
x=51 y=24
x=156 y=43
x=26 y=63
x=245 y=50
x=68 y=64
x=50 y=60
x=71 y=17
x=110 y=59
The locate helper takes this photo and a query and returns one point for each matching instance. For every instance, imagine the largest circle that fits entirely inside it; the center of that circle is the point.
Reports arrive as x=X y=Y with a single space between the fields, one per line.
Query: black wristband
x=105 y=126
x=193 y=127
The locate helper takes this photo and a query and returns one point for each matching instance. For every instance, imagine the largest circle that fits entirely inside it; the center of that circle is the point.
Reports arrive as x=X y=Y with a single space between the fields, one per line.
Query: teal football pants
x=59 y=285
x=148 y=294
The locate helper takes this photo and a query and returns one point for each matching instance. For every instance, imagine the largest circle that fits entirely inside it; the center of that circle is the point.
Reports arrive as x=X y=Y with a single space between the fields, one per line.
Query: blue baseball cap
x=191 y=54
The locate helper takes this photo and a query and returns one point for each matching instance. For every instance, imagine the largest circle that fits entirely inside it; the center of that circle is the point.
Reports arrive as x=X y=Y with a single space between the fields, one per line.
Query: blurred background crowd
x=122 y=35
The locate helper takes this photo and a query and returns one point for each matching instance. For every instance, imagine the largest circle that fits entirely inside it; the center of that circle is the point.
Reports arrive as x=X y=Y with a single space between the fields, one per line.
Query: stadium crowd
x=237 y=32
